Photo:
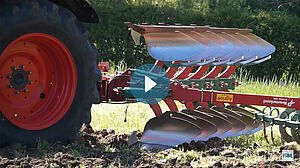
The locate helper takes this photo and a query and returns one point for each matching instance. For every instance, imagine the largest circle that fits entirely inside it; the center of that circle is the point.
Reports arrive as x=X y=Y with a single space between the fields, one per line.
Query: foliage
x=292 y=6
x=279 y=26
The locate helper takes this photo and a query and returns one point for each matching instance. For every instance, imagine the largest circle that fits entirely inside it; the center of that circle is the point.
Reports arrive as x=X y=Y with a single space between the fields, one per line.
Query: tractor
x=49 y=73
x=49 y=78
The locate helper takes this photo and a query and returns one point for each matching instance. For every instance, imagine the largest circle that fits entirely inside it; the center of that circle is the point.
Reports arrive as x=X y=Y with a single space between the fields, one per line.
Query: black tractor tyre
x=20 y=17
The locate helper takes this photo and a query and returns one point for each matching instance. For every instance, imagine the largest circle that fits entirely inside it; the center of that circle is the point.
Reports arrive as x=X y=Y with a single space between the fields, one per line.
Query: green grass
x=283 y=87
x=111 y=116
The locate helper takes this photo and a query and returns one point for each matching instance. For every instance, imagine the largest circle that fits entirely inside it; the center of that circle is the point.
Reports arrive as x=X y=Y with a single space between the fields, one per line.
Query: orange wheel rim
x=38 y=81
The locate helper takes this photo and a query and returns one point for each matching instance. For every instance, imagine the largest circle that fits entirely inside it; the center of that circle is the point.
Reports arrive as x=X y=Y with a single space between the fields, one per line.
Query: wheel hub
x=18 y=79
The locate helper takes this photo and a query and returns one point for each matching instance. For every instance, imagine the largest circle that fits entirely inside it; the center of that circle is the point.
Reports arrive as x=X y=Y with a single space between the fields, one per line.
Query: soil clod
x=104 y=148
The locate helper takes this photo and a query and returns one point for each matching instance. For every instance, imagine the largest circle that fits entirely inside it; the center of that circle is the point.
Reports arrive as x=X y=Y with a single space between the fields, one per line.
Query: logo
x=287 y=155
x=291 y=103
x=224 y=98
x=280 y=101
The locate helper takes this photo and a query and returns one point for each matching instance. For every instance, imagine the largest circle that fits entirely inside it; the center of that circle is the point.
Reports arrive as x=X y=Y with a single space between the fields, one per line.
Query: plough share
x=199 y=61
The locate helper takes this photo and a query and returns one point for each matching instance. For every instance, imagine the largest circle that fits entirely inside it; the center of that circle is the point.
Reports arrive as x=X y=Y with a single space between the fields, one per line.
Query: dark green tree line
x=277 y=21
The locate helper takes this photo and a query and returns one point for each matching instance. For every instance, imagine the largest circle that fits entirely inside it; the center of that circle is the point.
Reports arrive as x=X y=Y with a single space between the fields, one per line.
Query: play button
x=149 y=84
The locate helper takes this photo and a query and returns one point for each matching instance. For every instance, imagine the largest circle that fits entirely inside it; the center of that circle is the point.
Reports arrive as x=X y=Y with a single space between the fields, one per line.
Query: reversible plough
x=199 y=61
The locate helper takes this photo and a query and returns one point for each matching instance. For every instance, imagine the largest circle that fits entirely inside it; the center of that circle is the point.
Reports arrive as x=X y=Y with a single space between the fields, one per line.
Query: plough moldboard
x=199 y=61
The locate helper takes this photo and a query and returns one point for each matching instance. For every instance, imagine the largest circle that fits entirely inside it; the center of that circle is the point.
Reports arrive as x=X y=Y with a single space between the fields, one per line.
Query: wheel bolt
x=29 y=82
x=8 y=76
x=25 y=90
x=9 y=86
x=28 y=72
x=22 y=66
x=42 y=95
x=13 y=68
x=17 y=92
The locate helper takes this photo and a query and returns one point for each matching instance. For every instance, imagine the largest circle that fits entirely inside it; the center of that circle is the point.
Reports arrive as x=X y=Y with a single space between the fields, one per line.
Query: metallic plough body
x=202 y=45
x=200 y=61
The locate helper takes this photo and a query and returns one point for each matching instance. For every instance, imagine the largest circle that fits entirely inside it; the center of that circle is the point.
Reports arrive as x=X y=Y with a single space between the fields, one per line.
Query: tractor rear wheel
x=48 y=73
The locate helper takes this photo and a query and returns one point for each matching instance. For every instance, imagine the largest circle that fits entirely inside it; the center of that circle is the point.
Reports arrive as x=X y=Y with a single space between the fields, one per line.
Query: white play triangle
x=149 y=84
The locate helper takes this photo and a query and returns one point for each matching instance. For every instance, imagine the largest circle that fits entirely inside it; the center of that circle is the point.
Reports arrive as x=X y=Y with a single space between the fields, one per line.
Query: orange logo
x=224 y=98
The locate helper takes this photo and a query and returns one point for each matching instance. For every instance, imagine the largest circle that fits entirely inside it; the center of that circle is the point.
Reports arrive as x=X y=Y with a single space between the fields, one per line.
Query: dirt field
x=108 y=149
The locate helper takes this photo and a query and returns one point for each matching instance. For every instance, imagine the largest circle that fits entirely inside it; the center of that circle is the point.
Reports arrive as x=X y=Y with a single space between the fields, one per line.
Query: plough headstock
x=200 y=61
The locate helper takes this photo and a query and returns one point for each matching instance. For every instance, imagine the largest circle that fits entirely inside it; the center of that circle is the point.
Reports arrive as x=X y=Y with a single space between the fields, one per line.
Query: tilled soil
x=105 y=148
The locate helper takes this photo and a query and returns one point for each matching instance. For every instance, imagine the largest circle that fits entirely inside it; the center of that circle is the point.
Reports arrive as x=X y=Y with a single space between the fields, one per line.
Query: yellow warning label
x=224 y=98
